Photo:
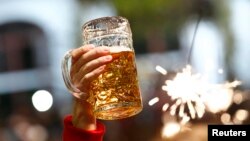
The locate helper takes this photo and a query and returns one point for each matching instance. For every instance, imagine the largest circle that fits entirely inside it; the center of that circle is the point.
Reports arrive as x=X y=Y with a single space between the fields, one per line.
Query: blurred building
x=239 y=25
x=34 y=36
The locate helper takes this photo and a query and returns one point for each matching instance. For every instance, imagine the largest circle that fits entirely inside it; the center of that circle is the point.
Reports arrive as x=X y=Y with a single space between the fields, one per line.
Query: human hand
x=88 y=62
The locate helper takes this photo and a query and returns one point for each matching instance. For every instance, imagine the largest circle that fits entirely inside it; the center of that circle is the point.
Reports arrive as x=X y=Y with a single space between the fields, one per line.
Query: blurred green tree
x=154 y=19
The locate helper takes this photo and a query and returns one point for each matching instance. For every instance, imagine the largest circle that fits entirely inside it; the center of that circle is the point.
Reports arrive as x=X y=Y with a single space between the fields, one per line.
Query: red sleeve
x=71 y=133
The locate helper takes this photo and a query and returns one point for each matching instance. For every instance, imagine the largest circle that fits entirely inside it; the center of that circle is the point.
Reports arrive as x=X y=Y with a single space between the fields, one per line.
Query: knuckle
x=85 y=68
x=84 y=79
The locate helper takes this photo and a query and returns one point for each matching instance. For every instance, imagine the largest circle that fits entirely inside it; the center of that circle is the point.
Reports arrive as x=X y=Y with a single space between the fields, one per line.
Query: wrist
x=83 y=116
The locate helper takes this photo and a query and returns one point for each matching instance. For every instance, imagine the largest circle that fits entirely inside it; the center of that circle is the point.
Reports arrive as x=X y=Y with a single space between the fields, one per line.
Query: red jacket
x=71 y=133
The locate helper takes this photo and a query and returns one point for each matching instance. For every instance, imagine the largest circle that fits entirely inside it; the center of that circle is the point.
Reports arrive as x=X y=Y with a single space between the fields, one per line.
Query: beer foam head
x=117 y=49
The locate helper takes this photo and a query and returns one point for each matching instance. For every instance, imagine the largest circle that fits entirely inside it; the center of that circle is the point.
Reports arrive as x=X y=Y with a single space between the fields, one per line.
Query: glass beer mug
x=115 y=94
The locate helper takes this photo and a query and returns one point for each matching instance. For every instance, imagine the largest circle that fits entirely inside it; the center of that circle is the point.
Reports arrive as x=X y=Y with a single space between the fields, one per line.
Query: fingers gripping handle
x=66 y=73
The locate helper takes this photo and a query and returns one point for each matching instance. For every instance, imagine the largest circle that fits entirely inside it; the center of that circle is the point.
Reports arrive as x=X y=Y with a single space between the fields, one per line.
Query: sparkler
x=190 y=92
x=192 y=95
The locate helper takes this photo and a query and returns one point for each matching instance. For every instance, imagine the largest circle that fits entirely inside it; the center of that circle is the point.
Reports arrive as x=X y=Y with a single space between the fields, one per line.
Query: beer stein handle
x=66 y=74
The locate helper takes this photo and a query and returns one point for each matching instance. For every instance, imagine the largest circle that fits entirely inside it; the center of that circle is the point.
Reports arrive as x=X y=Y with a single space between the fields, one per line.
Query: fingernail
x=108 y=58
x=102 y=67
x=91 y=45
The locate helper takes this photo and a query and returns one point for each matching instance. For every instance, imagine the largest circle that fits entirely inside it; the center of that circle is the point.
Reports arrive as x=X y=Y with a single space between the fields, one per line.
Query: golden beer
x=115 y=94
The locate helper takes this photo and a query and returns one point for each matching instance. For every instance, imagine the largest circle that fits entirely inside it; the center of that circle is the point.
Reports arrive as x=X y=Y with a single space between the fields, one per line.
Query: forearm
x=83 y=116
x=82 y=125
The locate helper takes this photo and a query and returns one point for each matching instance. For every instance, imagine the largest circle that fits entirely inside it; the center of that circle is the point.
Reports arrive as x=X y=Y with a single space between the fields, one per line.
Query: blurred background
x=34 y=35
